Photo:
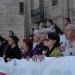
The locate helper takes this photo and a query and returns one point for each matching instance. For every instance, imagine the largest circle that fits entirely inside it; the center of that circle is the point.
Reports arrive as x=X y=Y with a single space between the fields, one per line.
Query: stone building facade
x=12 y=17
x=55 y=9
x=19 y=15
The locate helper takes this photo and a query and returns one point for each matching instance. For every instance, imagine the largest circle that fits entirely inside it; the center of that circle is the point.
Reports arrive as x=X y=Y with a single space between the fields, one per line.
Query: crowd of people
x=47 y=40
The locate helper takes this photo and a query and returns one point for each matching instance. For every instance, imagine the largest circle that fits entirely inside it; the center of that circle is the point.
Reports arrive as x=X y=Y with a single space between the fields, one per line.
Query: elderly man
x=43 y=35
x=39 y=44
x=70 y=36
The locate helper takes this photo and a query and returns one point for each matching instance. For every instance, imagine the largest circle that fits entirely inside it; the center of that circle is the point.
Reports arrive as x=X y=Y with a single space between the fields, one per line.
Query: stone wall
x=10 y=17
x=64 y=8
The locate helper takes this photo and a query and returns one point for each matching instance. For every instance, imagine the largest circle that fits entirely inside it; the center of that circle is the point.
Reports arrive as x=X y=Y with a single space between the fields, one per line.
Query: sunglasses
x=47 y=39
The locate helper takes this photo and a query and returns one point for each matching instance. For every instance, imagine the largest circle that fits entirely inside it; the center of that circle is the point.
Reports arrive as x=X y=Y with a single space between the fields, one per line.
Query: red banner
x=2 y=73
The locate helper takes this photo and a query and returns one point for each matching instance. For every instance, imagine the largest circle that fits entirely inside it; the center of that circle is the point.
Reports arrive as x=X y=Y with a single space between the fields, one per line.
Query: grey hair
x=10 y=32
x=73 y=27
x=37 y=32
x=45 y=31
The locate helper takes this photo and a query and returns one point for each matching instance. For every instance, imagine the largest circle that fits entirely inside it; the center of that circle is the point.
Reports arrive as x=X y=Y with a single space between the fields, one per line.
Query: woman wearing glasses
x=53 y=43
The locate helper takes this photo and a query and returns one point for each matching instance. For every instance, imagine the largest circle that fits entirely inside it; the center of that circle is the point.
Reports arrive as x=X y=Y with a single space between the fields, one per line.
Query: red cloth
x=2 y=73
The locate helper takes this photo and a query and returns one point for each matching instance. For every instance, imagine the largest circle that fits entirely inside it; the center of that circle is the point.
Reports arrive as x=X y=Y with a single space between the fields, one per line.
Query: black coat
x=2 y=48
x=57 y=30
x=14 y=52
x=39 y=49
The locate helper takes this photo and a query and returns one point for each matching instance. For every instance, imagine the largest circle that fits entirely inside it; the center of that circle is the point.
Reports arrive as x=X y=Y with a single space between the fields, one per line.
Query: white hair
x=37 y=32
x=45 y=31
x=10 y=32
x=73 y=27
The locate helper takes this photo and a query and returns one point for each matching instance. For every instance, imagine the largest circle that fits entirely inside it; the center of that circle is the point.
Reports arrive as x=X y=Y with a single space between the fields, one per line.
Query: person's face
x=47 y=23
x=36 y=38
x=31 y=31
x=65 y=22
x=43 y=37
x=50 y=42
x=69 y=33
x=6 y=36
x=11 y=41
x=24 y=46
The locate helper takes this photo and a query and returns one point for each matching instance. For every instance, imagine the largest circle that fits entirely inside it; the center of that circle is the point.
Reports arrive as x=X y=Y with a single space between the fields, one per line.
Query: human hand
x=27 y=58
x=8 y=59
x=34 y=58
x=41 y=57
